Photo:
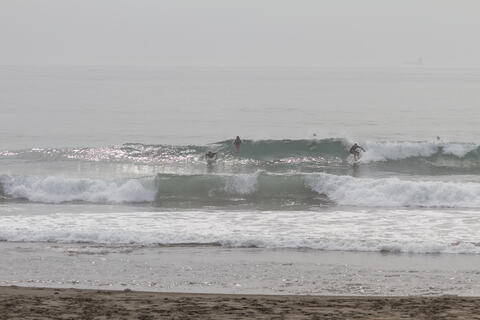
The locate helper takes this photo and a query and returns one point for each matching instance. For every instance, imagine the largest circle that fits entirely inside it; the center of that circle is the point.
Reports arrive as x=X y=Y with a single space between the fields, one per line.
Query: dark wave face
x=259 y=189
x=272 y=150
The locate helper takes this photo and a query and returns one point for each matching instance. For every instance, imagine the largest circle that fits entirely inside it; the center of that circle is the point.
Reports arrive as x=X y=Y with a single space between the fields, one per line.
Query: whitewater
x=303 y=194
x=260 y=187
x=115 y=157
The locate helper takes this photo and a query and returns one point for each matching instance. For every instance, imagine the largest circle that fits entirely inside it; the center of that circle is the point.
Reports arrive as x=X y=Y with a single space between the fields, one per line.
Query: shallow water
x=242 y=271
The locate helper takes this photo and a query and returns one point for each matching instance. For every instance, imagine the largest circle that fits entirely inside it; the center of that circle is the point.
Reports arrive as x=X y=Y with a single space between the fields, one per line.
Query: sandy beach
x=43 y=303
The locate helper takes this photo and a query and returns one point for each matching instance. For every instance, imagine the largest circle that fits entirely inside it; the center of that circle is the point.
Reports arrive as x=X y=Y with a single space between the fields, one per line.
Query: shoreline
x=51 y=303
x=222 y=270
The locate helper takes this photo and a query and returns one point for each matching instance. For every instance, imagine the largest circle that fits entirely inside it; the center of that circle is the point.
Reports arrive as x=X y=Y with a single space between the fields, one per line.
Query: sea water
x=115 y=156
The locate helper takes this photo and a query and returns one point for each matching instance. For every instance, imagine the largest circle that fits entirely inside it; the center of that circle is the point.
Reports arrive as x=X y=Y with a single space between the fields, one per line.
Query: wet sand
x=220 y=270
x=49 y=303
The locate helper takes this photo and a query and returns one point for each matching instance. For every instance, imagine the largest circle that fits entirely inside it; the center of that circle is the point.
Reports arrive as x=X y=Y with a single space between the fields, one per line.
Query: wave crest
x=257 y=188
x=393 y=192
x=59 y=189
x=261 y=153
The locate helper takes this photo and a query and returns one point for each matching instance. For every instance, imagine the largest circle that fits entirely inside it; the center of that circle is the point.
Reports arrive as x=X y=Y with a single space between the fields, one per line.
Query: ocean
x=108 y=163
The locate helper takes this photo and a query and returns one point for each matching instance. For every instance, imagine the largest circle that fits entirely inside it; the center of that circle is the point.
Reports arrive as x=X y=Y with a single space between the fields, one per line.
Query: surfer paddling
x=237 y=143
x=355 y=152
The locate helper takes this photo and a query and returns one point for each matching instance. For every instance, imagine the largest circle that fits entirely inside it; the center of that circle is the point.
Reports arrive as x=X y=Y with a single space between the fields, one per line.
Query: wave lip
x=55 y=189
x=393 y=192
x=391 y=150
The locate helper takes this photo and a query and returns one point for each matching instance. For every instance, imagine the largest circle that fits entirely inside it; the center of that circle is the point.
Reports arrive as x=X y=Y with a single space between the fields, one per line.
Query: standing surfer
x=237 y=144
x=355 y=152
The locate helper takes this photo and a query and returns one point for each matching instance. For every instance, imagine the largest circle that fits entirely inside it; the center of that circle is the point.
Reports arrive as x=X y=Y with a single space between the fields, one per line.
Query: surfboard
x=351 y=160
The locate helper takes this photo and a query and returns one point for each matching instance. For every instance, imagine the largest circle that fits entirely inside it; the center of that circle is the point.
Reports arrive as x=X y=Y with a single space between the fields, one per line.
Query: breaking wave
x=59 y=189
x=446 y=154
x=394 y=192
x=259 y=187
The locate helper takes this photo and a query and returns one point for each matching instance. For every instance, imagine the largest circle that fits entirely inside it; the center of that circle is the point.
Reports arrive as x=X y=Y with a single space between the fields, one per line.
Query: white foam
x=392 y=150
x=415 y=231
x=459 y=149
x=59 y=189
x=242 y=184
x=393 y=192
x=382 y=151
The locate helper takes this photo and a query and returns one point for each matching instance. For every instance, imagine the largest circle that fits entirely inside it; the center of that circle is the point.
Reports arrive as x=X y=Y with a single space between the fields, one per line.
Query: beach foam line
x=372 y=230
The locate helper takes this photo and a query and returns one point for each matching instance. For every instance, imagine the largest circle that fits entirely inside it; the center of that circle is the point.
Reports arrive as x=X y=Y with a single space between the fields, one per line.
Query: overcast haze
x=340 y=33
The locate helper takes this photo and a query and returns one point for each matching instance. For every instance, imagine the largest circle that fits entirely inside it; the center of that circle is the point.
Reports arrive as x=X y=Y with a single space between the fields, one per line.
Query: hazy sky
x=241 y=33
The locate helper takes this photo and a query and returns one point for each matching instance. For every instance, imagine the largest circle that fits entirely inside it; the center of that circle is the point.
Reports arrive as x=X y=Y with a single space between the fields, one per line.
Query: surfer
x=355 y=152
x=211 y=155
x=237 y=143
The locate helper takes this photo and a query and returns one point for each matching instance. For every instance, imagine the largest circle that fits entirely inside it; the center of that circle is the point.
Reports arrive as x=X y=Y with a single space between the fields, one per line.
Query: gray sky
x=337 y=33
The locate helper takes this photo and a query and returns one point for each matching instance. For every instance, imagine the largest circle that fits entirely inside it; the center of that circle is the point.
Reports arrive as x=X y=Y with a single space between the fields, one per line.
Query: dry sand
x=40 y=303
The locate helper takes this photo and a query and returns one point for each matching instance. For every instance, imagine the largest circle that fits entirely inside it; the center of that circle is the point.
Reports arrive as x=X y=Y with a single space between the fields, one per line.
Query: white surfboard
x=351 y=160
